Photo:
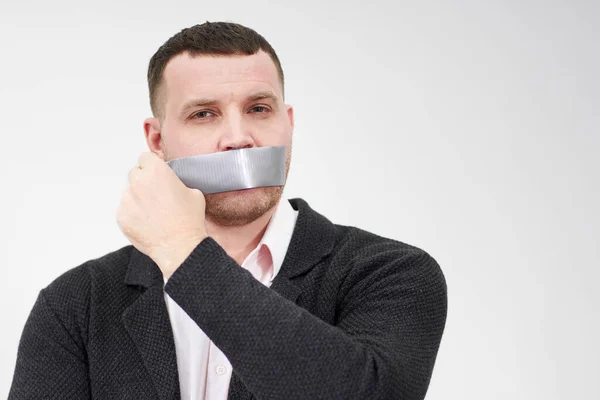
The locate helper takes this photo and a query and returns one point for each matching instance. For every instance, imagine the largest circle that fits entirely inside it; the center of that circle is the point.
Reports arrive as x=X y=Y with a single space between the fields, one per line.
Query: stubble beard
x=242 y=207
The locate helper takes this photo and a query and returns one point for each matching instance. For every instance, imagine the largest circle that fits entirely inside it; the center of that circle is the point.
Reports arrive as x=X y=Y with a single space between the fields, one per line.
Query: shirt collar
x=278 y=234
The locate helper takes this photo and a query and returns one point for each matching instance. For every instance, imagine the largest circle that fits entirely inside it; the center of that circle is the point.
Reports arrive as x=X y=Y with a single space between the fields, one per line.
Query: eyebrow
x=263 y=95
x=211 y=102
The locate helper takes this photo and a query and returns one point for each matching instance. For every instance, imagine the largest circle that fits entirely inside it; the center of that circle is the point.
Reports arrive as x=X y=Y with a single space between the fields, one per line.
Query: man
x=236 y=294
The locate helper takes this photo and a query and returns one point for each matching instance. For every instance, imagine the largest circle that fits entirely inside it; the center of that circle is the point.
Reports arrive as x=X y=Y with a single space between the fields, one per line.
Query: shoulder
x=79 y=279
x=69 y=294
x=372 y=259
x=357 y=244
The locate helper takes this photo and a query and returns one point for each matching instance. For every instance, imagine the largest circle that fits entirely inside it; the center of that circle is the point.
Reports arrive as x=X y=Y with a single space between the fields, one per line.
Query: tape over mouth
x=232 y=170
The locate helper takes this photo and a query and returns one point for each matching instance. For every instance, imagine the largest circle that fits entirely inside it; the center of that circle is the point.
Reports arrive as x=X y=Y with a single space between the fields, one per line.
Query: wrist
x=171 y=258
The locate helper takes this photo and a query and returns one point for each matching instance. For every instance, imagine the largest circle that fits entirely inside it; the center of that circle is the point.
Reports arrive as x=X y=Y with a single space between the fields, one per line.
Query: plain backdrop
x=467 y=128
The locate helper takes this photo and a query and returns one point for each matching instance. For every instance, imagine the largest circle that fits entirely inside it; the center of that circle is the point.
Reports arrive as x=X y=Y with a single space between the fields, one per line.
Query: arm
x=51 y=361
x=383 y=346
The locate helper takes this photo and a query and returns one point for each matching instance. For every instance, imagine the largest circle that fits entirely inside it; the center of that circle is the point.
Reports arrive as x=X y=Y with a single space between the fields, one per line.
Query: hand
x=159 y=215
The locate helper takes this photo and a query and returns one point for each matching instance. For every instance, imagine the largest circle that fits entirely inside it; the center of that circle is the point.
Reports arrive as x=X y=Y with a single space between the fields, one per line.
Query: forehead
x=186 y=76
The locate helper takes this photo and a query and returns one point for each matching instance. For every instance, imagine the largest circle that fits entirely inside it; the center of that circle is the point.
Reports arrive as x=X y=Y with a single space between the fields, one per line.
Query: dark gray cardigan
x=351 y=315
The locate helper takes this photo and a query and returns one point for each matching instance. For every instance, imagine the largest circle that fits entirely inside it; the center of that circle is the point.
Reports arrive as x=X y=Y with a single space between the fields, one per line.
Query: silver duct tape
x=232 y=170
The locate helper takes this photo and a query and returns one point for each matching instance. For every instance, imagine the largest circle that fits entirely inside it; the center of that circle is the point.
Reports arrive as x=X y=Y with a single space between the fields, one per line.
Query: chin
x=241 y=207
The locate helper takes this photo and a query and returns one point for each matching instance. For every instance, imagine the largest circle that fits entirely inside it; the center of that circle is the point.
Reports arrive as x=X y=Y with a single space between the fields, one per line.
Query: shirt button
x=221 y=369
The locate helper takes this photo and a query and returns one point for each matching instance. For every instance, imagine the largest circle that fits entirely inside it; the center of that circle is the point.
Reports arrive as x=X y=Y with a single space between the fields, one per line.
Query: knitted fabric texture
x=351 y=315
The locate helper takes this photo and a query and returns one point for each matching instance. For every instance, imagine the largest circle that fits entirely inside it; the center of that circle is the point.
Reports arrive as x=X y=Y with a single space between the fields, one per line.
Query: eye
x=202 y=114
x=259 y=110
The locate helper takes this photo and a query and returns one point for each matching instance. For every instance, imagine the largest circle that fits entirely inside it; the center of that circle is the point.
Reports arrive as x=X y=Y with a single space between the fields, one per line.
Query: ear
x=290 y=113
x=152 y=131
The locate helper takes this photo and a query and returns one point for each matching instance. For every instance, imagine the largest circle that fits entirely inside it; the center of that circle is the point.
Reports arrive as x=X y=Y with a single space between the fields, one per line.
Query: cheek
x=276 y=132
x=181 y=141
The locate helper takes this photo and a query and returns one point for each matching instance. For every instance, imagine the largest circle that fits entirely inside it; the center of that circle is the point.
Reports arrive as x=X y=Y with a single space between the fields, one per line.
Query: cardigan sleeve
x=51 y=360
x=383 y=345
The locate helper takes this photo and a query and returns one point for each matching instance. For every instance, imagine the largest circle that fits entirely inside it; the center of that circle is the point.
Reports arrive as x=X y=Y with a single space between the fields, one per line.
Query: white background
x=467 y=128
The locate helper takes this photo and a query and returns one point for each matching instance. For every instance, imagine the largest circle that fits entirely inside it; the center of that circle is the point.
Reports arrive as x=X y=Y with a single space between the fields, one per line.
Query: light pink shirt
x=204 y=371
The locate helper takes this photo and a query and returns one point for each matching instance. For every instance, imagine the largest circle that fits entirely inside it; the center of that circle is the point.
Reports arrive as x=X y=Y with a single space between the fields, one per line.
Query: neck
x=239 y=241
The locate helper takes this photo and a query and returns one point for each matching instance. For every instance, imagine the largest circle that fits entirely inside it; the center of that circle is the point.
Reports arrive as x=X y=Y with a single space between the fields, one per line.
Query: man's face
x=221 y=103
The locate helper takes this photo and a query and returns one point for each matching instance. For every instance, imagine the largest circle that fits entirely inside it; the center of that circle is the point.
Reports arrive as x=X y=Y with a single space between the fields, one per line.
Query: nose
x=236 y=134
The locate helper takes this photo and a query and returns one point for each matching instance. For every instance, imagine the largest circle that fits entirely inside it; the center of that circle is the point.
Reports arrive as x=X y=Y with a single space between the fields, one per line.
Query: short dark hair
x=209 y=38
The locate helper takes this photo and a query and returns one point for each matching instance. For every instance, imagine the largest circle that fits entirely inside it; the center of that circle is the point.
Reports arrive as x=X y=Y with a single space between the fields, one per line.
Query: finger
x=146 y=159
x=123 y=208
x=135 y=175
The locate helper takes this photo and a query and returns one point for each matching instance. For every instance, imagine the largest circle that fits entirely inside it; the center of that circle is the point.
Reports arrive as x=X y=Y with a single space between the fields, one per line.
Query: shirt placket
x=218 y=374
